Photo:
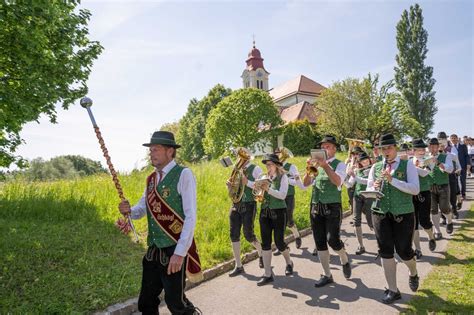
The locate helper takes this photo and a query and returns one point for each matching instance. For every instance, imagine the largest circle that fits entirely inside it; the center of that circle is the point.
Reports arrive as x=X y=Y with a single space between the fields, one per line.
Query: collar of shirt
x=167 y=168
x=330 y=160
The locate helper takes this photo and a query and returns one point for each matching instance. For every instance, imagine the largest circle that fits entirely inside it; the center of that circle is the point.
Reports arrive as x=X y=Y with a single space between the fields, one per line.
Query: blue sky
x=159 y=55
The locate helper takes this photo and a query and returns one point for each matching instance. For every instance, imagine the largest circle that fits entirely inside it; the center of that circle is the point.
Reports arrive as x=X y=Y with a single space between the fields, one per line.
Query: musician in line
x=422 y=201
x=441 y=167
x=171 y=254
x=351 y=161
x=242 y=216
x=377 y=157
x=326 y=208
x=273 y=217
x=293 y=181
x=358 y=177
x=393 y=214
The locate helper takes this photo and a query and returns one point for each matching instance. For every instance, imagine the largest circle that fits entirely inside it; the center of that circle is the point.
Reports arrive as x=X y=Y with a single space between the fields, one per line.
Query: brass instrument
x=354 y=143
x=237 y=187
x=261 y=183
x=380 y=195
x=284 y=154
x=312 y=169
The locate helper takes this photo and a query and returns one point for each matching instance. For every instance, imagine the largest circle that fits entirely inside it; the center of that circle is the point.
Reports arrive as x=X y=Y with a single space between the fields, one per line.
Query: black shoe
x=390 y=296
x=413 y=282
x=237 y=271
x=323 y=281
x=298 y=242
x=276 y=253
x=438 y=236
x=432 y=245
x=289 y=269
x=347 y=270
x=315 y=252
x=418 y=254
x=449 y=228
x=360 y=250
x=260 y=262
x=265 y=280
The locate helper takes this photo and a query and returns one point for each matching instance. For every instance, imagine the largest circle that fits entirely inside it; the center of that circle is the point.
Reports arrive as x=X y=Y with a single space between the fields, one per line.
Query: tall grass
x=60 y=251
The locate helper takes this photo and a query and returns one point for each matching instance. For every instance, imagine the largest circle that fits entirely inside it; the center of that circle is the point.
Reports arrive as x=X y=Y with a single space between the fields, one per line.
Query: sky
x=159 y=55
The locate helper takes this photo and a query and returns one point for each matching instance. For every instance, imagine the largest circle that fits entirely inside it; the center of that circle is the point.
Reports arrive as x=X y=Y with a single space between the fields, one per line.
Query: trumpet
x=312 y=169
x=260 y=186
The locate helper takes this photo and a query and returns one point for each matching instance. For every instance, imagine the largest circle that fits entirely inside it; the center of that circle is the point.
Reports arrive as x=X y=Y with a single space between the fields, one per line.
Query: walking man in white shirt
x=169 y=202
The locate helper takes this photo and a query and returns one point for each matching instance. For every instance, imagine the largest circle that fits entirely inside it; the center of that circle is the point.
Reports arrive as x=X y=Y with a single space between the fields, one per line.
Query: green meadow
x=60 y=251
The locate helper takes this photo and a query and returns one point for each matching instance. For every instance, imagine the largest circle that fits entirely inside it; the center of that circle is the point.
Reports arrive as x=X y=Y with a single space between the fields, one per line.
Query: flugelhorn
x=258 y=191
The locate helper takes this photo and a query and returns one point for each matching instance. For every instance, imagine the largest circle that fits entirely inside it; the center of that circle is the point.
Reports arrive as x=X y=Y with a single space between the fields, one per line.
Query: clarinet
x=376 y=204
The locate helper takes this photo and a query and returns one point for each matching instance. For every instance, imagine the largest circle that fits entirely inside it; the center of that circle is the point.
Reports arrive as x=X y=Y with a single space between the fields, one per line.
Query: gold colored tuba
x=283 y=154
x=237 y=187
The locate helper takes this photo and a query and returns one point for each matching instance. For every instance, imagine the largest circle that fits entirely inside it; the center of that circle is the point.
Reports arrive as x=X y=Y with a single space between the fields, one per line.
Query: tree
x=192 y=127
x=45 y=59
x=245 y=118
x=171 y=127
x=358 y=108
x=300 y=137
x=84 y=166
x=413 y=78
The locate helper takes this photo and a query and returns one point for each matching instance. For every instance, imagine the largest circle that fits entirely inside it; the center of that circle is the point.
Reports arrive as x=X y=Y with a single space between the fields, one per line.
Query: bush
x=300 y=137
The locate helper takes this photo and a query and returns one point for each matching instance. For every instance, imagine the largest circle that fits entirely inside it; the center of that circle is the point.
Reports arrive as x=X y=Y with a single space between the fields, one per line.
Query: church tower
x=255 y=74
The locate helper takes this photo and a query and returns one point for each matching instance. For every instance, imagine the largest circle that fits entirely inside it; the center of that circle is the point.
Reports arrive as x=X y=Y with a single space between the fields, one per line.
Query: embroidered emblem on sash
x=176 y=227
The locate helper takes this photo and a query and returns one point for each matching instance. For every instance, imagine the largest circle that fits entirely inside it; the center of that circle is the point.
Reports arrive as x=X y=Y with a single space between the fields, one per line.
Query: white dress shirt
x=411 y=186
x=280 y=193
x=187 y=190
x=340 y=171
x=292 y=174
x=356 y=179
x=421 y=171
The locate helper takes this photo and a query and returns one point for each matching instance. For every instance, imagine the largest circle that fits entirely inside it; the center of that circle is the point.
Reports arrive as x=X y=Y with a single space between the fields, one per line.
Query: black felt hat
x=419 y=144
x=386 y=140
x=327 y=139
x=270 y=157
x=163 y=138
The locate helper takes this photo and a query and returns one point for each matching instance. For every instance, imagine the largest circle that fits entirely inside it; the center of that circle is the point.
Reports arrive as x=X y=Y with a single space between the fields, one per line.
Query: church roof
x=298 y=85
x=301 y=111
x=255 y=60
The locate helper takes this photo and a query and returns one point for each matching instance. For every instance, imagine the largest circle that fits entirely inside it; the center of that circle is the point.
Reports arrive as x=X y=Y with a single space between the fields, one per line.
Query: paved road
x=297 y=295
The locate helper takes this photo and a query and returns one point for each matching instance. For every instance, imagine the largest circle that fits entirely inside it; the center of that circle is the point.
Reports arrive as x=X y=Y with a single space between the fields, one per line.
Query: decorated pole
x=125 y=226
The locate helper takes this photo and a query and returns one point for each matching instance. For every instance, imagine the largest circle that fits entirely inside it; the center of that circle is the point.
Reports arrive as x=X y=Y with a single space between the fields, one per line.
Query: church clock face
x=259 y=74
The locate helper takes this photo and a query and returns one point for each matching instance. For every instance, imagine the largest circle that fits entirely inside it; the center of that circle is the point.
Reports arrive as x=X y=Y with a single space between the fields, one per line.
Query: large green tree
x=359 y=108
x=45 y=59
x=413 y=78
x=248 y=117
x=192 y=127
x=300 y=137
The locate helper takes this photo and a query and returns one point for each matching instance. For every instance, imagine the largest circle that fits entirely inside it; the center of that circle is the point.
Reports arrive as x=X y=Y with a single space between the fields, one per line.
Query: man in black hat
x=441 y=166
x=422 y=201
x=351 y=163
x=242 y=216
x=169 y=202
x=393 y=214
x=326 y=208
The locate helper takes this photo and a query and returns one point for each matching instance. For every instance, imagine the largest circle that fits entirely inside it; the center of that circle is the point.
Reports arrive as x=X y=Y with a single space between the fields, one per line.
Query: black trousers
x=273 y=221
x=362 y=205
x=156 y=279
x=394 y=232
x=422 y=204
x=326 y=225
x=243 y=214
x=454 y=190
x=290 y=209
x=463 y=181
x=440 y=196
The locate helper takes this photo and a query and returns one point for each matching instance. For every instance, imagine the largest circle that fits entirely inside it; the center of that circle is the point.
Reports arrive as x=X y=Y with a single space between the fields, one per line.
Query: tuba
x=258 y=190
x=237 y=187
x=354 y=143
x=284 y=154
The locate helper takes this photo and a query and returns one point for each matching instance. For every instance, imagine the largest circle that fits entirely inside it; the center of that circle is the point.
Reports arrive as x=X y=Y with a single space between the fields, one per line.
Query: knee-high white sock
x=286 y=255
x=324 y=260
x=236 y=251
x=449 y=218
x=435 y=218
x=411 y=264
x=343 y=256
x=258 y=247
x=416 y=239
x=267 y=262
x=390 y=270
x=358 y=233
x=430 y=233
x=295 y=232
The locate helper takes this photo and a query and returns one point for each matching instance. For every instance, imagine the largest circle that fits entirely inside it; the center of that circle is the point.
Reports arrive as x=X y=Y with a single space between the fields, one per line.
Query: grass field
x=449 y=288
x=60 y=251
